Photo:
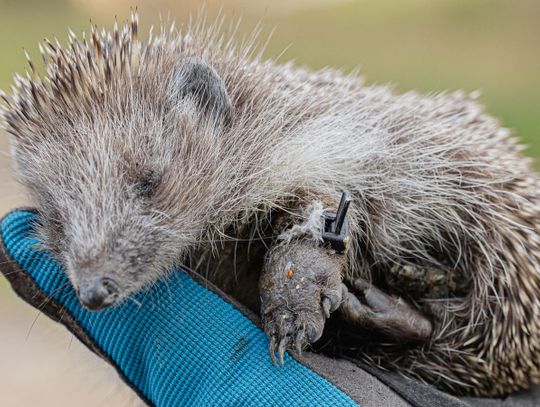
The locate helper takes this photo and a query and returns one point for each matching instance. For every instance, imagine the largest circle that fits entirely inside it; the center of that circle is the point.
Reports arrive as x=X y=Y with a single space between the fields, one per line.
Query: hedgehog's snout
x=98 y=293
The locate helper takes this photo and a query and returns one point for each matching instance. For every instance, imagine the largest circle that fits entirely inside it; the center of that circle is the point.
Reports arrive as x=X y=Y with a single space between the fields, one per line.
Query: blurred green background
x=428 y=45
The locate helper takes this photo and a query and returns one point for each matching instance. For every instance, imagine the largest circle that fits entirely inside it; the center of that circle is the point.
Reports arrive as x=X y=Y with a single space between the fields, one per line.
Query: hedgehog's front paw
x=300 y=286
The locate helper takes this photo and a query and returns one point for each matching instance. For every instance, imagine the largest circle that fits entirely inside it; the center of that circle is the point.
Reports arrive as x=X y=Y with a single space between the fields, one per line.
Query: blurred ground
x=42 y=365
x=490 y=45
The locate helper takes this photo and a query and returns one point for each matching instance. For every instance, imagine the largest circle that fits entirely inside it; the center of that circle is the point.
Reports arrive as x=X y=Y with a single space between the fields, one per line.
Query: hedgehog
x=190 y=149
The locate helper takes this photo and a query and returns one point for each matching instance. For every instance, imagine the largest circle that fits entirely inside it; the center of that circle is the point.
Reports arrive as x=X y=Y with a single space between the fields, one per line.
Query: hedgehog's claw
x=326 y=306
x=272 y=349
x=279 y=342
x=282 y=348
x=299 y=340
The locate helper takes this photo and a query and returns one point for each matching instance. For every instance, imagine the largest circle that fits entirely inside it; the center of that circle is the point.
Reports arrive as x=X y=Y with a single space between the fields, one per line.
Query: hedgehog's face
x=124 y=189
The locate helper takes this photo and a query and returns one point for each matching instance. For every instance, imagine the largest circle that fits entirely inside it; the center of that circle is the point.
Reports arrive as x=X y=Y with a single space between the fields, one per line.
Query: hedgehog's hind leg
x=369 y=307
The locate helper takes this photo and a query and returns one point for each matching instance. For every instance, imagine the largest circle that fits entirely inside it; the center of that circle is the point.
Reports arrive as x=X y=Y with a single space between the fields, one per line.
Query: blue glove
x=176 y=344
x=185 y=343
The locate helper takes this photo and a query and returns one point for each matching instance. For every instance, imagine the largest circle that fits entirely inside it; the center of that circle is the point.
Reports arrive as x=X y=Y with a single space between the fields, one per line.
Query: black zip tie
x=336 y=226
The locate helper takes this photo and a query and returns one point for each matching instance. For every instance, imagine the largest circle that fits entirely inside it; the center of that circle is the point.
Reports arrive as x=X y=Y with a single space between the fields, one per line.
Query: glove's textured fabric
x=184 y=342
x=177 y=343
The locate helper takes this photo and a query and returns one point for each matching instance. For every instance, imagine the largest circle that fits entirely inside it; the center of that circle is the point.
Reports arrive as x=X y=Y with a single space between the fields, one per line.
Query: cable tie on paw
x=336 y=226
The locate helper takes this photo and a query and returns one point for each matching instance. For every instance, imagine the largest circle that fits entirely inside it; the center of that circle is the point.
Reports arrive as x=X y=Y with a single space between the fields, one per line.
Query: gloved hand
x=178 y=343
x=183 y=342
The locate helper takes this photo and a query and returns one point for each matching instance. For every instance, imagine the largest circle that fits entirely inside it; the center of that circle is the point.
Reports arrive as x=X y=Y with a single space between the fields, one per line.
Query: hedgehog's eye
x=146 y=183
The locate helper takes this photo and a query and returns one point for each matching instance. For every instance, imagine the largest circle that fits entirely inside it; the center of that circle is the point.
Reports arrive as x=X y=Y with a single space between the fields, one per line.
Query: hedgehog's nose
x=98 y=294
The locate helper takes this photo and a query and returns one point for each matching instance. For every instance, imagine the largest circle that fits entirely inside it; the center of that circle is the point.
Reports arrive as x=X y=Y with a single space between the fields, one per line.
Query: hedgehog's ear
x=197 y=80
